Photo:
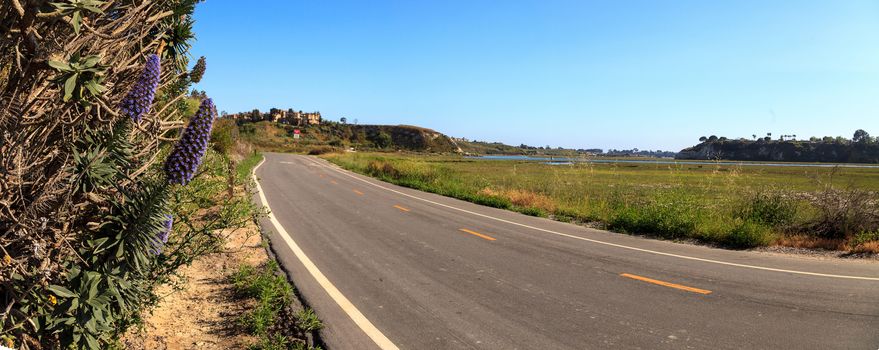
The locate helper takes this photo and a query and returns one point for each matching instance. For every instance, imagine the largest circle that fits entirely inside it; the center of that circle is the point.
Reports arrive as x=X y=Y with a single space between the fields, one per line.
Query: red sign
x=296 y=131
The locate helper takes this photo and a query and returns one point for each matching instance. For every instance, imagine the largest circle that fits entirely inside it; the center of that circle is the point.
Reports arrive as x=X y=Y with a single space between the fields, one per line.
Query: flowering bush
x=86 y=215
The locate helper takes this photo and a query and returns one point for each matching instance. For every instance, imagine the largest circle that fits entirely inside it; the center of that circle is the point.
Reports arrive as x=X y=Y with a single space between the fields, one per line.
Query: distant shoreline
x=669 y=161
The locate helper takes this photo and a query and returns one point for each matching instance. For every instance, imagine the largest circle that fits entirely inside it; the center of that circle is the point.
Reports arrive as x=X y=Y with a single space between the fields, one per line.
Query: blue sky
x=606 y=74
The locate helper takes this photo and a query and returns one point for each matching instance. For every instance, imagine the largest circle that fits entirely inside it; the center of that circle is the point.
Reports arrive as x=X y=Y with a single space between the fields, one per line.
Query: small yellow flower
x=9 y=343
x=52 y=300
x=7 y=259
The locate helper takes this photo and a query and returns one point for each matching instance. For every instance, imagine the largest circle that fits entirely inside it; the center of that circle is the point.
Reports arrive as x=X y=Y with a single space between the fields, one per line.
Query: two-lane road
x=391 y=267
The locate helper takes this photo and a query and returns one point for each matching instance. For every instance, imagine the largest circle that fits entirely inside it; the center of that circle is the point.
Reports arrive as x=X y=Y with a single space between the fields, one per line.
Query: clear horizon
x=635 y=74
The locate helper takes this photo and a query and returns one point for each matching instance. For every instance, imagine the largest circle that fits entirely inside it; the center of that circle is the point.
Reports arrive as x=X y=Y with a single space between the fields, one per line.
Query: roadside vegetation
x=729 y=206
x=272 y=313
x=108 y=184
x=273 y=319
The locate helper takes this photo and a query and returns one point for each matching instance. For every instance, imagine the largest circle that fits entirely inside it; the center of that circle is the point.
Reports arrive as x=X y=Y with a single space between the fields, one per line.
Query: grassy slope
x=683 y=201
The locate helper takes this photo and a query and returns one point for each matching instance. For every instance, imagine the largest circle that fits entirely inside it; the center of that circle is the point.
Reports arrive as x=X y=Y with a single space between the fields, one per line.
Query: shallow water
x=568 y=161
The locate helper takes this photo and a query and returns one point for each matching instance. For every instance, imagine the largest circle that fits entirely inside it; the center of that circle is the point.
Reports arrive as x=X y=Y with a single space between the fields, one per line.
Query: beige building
x=299 y=118
x=278 y=115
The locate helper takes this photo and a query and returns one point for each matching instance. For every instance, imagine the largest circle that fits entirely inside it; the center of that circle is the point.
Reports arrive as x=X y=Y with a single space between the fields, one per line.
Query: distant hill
x=831 y=151
x=281 y=137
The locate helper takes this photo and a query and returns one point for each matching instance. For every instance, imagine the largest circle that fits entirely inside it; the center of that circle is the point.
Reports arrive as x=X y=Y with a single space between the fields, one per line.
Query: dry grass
x=868 y=247
x=812 y=242
x=489 y=192
x=523 y=198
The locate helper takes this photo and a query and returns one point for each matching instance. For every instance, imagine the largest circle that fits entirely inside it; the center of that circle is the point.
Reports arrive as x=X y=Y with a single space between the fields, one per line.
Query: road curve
x=389 y=267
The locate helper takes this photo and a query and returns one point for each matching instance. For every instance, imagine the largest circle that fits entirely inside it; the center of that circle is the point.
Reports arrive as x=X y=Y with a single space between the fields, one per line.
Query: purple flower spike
x=162 y=238
x=166 y=230
x=198 y=71
x=140 y=97
x=184 y=160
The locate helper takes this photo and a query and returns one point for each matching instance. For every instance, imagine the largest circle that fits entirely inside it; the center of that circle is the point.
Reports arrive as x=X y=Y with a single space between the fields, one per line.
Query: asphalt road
x=391 y=267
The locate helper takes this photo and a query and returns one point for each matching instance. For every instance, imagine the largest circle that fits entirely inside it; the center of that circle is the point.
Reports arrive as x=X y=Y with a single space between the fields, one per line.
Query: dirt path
x=202 y=312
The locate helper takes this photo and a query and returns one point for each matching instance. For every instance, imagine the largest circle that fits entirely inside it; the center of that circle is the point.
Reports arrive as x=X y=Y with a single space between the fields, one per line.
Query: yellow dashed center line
x=477 y=234
x=401 y=208
x=666 y=284
x=358 y=192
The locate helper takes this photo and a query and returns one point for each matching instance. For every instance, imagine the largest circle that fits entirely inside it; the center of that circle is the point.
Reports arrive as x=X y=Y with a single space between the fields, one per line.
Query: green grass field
x=732 y=206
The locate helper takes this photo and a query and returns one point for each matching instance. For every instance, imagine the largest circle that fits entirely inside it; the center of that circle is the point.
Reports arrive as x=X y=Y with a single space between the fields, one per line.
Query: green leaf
x=92 y=342
x=89 y=323
x=94 y=279
x=115 y=293
x=61 y=291
x=91 y=61
x=77 y=19
x=62 y=6
x=99 y=315
x=59 y=65
x=120 y=250
x=99 y=301
x=99 y=242
x=92 y=87
x=67 y=306
x=69 y=85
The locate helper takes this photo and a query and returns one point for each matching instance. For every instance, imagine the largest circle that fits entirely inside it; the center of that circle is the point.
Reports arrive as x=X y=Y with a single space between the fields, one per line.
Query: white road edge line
x=755 y=267
x=376 y=335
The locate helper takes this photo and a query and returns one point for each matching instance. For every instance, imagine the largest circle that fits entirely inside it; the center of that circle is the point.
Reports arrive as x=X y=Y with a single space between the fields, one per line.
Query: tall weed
x=768 y=207
x=667 y=215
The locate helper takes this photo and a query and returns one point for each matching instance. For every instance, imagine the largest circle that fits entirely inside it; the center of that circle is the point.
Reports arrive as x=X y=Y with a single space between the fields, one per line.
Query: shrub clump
x=322 y=150
x=383 y=169
x=667 y=216
x=772 y=208
x=843 y=213
x=866 y=242
x=747 y=234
